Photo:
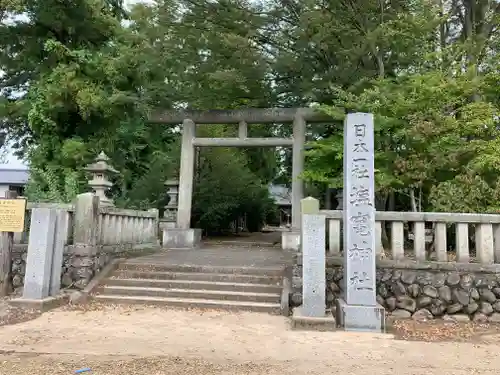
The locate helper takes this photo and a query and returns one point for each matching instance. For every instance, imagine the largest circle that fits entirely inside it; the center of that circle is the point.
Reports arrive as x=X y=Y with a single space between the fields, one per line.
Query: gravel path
x=114 y=340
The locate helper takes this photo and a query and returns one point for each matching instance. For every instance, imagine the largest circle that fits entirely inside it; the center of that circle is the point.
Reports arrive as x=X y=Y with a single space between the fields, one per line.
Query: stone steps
x=191 y=276
x=209 y=287
x=272 y=308
x=183 y=268
x=189 y=293
x=190 y=284
x=243 y=244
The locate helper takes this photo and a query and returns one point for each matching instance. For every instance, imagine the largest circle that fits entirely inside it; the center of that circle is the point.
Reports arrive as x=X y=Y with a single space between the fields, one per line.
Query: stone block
x=40 y=251
x=290 y=241
x=360 y=318
x=42 y=305
x=326 y=322
x=166 y=225
x=313 y=265
x=178 y=238
x=309 y=205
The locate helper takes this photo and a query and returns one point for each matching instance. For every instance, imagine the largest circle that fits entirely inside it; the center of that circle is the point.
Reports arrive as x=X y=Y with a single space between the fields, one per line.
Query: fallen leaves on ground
x=13 y=315
x=441 y=330
x=127 y=309
x=17 y=364
x=403 y=329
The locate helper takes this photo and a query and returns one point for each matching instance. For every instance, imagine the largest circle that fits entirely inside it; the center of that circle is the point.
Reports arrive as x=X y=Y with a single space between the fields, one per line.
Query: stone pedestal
x=290 y=241
x=360 y=318
x=165 y=224
x=301 y=321
x=178 y=238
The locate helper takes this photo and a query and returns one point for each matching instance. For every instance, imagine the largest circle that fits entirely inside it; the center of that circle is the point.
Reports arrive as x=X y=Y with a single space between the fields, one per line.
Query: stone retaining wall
x=77 y=270
x=422 y=289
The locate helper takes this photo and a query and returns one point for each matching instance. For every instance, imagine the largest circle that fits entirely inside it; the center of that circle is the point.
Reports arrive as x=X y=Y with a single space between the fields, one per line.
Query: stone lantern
x=173 y=193
x=100 y=183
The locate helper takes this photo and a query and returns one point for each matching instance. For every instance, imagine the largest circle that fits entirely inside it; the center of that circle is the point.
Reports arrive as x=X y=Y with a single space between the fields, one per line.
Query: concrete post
x=299 y=138
x=86 y=237
x=86 y=220
x=313 y=258
x=40 y=251
x=155 y=227
x=186 y=175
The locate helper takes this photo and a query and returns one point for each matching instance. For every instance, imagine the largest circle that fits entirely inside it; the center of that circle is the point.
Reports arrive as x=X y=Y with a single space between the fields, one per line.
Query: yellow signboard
x=12 y=212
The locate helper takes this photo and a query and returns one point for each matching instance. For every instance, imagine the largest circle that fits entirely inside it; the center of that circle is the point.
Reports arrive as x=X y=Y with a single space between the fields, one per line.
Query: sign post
x=12 y=215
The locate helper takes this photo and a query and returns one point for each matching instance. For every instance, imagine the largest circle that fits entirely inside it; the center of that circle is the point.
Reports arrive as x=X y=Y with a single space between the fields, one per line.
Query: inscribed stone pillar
x=358 y=309
x=299 y=139
x=40 y=250
x=313 y=259
x=186 y=175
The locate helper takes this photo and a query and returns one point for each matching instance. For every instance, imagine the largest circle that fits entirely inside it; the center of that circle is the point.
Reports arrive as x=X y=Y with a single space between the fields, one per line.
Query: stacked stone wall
x=421 y=289
x=77 y=269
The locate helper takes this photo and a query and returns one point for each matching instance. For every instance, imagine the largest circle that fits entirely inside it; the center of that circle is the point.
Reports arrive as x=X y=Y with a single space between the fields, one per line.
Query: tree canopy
x=81 y=76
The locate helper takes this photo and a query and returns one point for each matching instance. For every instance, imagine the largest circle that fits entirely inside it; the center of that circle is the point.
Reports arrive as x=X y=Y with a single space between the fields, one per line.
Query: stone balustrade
x=428 y=265
x=425 y=236
x=68 y=244
x=114 y=232
x=21 y=239
x=120 y=226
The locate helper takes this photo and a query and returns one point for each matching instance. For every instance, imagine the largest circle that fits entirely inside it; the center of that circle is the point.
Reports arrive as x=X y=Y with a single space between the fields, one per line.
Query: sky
x=11 y=161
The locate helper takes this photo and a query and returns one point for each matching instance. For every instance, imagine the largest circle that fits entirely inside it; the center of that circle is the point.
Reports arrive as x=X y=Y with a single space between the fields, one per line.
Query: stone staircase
x=192 y=286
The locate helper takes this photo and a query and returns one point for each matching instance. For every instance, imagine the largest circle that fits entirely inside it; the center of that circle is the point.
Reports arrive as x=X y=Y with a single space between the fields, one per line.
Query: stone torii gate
x=183 y=236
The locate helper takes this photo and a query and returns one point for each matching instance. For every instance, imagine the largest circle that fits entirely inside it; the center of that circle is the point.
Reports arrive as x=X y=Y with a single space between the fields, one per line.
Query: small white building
x=13 y=179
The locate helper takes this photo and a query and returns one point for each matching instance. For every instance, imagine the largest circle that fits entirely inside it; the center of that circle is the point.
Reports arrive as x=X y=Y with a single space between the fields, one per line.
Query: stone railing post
x=156 y=225
x=85 y=236
x=484 y=243
x=86 y=220
x=100 y=183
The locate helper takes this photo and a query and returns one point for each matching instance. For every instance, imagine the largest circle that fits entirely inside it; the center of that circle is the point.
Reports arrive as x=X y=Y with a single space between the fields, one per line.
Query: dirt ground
x=146 y=340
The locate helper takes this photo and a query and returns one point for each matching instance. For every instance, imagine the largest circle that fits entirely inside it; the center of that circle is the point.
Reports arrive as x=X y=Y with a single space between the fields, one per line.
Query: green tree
x=72 y=85
x=224 y=71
